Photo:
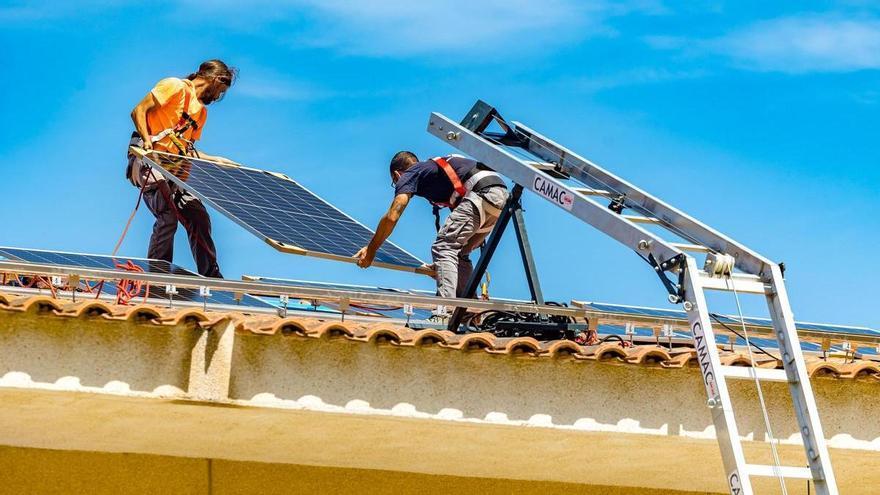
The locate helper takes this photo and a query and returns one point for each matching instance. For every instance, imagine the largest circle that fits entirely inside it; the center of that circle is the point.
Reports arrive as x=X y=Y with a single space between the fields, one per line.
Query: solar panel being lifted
x=58 y=258
x=279 y=210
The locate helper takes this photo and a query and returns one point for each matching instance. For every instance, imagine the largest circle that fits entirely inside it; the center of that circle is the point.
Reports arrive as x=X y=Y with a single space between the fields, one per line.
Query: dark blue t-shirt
x=428 y=180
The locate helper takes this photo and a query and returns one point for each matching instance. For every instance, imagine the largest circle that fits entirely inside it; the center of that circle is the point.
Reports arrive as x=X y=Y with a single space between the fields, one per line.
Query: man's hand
x=365 y=257
x=218 y=159
x=226 y=161
x=147 y=144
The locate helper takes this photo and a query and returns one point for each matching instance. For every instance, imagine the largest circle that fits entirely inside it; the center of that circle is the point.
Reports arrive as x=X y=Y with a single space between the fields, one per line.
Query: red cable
x=126 y=290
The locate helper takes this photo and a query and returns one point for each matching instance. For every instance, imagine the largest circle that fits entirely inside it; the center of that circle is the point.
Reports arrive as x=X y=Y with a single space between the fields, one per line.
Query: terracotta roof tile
x=648 y=355
x=141 y=314
x=429 y=337
x=87 y=309
x=520 y=346
x=385 y=333
x=560 y=348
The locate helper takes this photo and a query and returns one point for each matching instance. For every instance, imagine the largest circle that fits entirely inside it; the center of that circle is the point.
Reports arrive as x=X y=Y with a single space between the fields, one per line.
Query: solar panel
x=390 y=311
x=279 y=210
x=59 y=258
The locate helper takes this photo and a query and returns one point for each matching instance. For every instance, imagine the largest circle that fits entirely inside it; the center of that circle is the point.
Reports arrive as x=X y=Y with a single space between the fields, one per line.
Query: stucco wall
x=62 y=472
x=96 y=385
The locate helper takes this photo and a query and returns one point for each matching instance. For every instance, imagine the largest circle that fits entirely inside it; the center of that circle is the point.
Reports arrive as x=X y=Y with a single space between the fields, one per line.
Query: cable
x=769 y=429
x=715 y=316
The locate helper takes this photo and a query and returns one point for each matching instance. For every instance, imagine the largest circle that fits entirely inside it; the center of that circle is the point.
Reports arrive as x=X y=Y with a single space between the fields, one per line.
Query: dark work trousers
x=193 y=216
x=195 y=220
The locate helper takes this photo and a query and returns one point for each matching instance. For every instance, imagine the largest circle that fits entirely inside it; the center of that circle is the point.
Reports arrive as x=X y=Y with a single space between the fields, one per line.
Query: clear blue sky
x=760 y=118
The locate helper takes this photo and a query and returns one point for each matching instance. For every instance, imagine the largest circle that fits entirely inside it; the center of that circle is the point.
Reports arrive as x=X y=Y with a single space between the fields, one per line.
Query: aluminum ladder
x=599 y=198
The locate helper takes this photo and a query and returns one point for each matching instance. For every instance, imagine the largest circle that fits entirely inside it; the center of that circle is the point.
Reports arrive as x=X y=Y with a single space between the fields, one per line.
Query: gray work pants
x=457 y=238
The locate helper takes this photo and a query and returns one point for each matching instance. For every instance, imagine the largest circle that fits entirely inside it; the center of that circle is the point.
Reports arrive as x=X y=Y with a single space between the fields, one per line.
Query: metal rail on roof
x=580 y=310
x=608 y=317
x=262 y=288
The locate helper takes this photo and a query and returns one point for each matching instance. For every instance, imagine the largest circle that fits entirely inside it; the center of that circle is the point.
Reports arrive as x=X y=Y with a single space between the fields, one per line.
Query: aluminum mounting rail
x=263 y=288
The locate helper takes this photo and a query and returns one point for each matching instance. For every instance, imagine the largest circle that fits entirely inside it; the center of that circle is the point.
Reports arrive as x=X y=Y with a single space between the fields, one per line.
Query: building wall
x=89 y=384
x=47 y=472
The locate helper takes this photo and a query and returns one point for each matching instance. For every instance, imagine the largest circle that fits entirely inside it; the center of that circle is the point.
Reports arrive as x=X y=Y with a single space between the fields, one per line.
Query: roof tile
x=386 y=333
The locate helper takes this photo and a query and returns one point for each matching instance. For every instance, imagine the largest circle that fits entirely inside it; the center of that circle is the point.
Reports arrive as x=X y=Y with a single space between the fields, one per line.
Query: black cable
x=716 y=317
x=611 y=337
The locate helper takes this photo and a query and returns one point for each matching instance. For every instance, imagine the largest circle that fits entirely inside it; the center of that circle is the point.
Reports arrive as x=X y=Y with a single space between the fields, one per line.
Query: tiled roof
x=390 y=334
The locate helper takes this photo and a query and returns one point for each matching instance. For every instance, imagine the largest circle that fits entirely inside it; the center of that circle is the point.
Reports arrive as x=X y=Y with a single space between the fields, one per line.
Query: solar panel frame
x=412 y=264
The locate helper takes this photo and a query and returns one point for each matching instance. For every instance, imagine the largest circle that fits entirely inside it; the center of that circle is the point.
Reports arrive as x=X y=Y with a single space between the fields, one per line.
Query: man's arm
x=139 y=117
x=386 y=226
x=218 y=159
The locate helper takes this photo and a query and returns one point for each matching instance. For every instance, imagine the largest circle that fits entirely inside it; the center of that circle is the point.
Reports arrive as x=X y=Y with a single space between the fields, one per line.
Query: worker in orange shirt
x=170 y=118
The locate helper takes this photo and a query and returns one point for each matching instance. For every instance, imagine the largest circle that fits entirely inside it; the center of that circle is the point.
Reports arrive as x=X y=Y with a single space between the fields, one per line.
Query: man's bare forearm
x=386 y=226
x=139 y=117
x=140 y=123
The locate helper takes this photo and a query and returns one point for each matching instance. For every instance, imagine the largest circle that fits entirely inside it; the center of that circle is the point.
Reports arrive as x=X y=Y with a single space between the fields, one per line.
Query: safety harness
x=468 y=188
x=174 y=134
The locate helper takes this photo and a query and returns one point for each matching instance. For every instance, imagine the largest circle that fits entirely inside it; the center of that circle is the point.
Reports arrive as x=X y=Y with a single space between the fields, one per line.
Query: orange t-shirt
x=171 y=95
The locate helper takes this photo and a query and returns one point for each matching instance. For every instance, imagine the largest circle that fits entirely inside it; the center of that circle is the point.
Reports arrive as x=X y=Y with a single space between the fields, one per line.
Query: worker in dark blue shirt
x=475 y=195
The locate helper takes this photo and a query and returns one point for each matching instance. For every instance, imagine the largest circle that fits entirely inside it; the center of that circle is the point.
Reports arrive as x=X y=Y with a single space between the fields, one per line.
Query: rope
x=715 y=317
x=777 y=464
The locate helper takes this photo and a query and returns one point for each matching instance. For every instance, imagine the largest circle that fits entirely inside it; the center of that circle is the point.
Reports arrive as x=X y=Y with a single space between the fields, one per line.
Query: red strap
x=187 y=96
x=453 y=177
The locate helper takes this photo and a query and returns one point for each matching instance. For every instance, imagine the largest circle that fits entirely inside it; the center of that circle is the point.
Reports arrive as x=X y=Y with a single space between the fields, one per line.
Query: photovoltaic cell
x=278 y=210
x=97 y=261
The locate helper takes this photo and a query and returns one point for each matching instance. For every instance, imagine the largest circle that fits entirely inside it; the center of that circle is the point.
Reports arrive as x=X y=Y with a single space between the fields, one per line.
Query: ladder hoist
x=579 y=187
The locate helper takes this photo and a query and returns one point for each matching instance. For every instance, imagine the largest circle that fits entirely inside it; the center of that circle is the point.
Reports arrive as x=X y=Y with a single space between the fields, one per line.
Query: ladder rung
x=641 y=219
x=550 y=168
x=745 y=372
x=592 y=192
x=690 y=247
x=803 y=473
x=745 y=284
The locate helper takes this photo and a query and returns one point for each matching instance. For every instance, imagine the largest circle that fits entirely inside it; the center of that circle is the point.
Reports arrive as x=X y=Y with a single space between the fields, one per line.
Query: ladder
x=599 y=198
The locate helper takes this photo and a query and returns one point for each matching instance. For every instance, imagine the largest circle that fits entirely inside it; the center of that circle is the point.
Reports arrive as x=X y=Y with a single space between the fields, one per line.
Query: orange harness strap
x=453 y=177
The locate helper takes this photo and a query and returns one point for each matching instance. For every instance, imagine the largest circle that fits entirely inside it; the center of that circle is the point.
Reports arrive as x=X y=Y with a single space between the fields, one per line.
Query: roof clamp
x=171 y=290
x=408 y=311
x=667 y=331
x=283 y=301
x=73 y=284
x=344 y=304
x=205 y=293
x=676 y=291
x=846 y=346
x=630 y=330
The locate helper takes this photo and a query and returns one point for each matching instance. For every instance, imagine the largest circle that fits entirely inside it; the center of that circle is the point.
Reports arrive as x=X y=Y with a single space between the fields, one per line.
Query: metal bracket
x=676 y=291
x=481 y=115
x=618 y=203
